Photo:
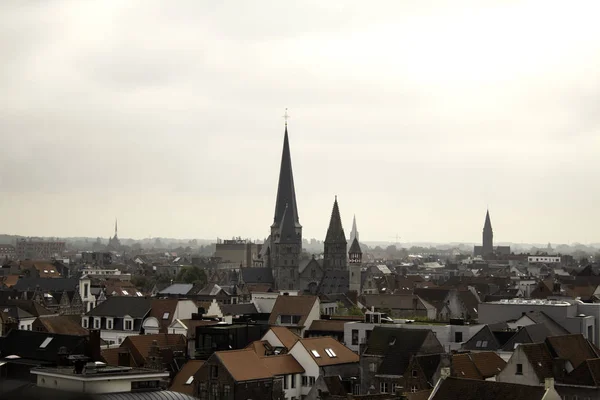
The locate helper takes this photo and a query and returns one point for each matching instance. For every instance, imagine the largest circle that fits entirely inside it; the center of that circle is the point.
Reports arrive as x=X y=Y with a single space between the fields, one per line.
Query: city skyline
x=414 y=122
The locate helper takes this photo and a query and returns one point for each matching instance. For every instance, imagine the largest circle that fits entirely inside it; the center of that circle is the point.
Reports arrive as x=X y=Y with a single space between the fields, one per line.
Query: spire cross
x=286 y=116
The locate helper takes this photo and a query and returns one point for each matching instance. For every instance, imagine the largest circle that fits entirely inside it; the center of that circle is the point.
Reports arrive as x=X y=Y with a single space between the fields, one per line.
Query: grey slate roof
x=16 y=312
x=535 y=333
x=119 y=306
x=257 y=275
x=398 y=346
x=335 y=232
x=334 y=281
x=46 y=284
x=355 y=247
x=178 y=288
x=554 y=328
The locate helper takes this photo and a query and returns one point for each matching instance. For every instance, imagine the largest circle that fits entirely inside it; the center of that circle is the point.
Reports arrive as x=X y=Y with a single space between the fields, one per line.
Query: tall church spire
x=116 y=228
x=488 y=236
x=335 y=232
x=286 y=193
x=354 y=231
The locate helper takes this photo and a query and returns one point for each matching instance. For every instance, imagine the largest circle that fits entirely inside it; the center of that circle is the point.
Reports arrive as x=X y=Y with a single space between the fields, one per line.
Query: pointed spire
x=115 y=227
x=355 y=247
x=335 y=232
x=354 y=231
x=286 y=193
x=487 y=226
x=287 y=230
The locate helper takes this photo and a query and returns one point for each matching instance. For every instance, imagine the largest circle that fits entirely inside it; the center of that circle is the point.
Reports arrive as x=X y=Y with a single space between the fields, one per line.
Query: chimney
x=444 y=372
x=63 y=355
x=94 y=345
x=549 y=383
x=559 y=368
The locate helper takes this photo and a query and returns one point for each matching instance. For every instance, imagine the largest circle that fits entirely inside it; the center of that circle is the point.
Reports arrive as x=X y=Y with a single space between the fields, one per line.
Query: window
x=312 y=380
x=226 y=391
x=354 y=337
x=304 y=380
x=519 y=369
x=394 y=387
x=330 y=352
x=478 y=344
x=128 y=325
x=383 y=387
x=415 y=373
x=96 y=323
x=46 y=342
x=166 y=315
x=484 y=343
x=356 y=390
x=214 y=371
x=85 y=322
x=315 y=354
x=372 y=367
x=285 y=381
x=202 y=390
x=109 y=323
x=85 y=290
x=214 y=392
x=189 y=380
x=414 y=389
x=458 y=337
x=293 y=381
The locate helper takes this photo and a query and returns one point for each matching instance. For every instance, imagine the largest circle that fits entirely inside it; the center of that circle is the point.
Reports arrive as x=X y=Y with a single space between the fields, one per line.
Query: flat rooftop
x=532 y=302
x=108 y=370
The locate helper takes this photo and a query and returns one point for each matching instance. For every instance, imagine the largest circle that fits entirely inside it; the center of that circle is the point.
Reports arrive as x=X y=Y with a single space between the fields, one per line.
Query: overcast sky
x=168 y=116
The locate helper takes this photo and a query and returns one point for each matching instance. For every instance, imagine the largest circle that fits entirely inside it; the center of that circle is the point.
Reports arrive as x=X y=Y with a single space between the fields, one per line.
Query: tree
x=194 y=275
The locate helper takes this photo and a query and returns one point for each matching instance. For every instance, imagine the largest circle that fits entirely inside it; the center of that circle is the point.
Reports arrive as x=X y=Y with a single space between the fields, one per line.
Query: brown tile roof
x=488 y=363
x=258 y=346
x=31 y=307
x=421 y=395
x=287 y=337
x=63 y=324
x=574 y=348
x=43 y=268
x=292 y=305
x=343 y=355
x=243 y=365
x=324 y=325
x=10 y=280
x=481 y=365
x=111 y=356
x=540 y=359
x=464 y=367
x=284 y=364
x=188 y=370
x=163 y=308
x=139 y=345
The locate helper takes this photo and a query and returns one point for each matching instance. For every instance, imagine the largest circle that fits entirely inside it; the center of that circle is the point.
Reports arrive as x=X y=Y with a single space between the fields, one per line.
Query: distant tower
x=334 y=256
x=488 y=236
x=354 y=231
x=116 y=230
x=354 y=265
x=285 y=243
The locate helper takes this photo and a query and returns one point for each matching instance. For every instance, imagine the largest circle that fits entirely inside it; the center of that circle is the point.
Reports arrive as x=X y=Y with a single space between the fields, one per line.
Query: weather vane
x=286 y=116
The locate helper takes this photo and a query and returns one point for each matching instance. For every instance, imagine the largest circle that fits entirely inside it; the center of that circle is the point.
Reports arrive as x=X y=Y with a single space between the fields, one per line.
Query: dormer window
x=109 y=323
x=96 y=322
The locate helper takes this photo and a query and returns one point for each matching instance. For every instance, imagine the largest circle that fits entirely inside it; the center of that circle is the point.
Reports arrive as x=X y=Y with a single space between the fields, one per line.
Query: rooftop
x=99 y=371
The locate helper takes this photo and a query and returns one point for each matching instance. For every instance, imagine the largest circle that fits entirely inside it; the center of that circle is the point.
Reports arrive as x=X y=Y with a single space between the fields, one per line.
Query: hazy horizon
x=417 y=116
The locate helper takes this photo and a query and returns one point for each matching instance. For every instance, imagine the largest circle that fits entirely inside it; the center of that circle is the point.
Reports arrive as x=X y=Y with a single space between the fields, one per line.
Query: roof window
x=330 y=352
x=166 y=315
x=189 y=380
x=46 y=342
x=125 y=292
x=315 y=353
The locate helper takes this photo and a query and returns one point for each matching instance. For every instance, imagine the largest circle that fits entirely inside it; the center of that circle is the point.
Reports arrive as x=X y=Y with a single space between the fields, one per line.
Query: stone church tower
x=334 y=257
x=284 y=245
x=354 y=265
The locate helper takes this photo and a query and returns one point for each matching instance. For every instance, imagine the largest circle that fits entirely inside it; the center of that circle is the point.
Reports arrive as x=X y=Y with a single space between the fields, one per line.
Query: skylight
x=478 y=344
x=139 y=294
x=166 y=315
x=46 y=342
x=330 y=353
x=189 y=380
x=315 y=353
x=125 y=292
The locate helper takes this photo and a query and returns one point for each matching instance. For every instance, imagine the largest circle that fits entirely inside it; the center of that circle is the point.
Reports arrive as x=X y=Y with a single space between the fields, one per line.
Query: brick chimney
x=94 y=345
